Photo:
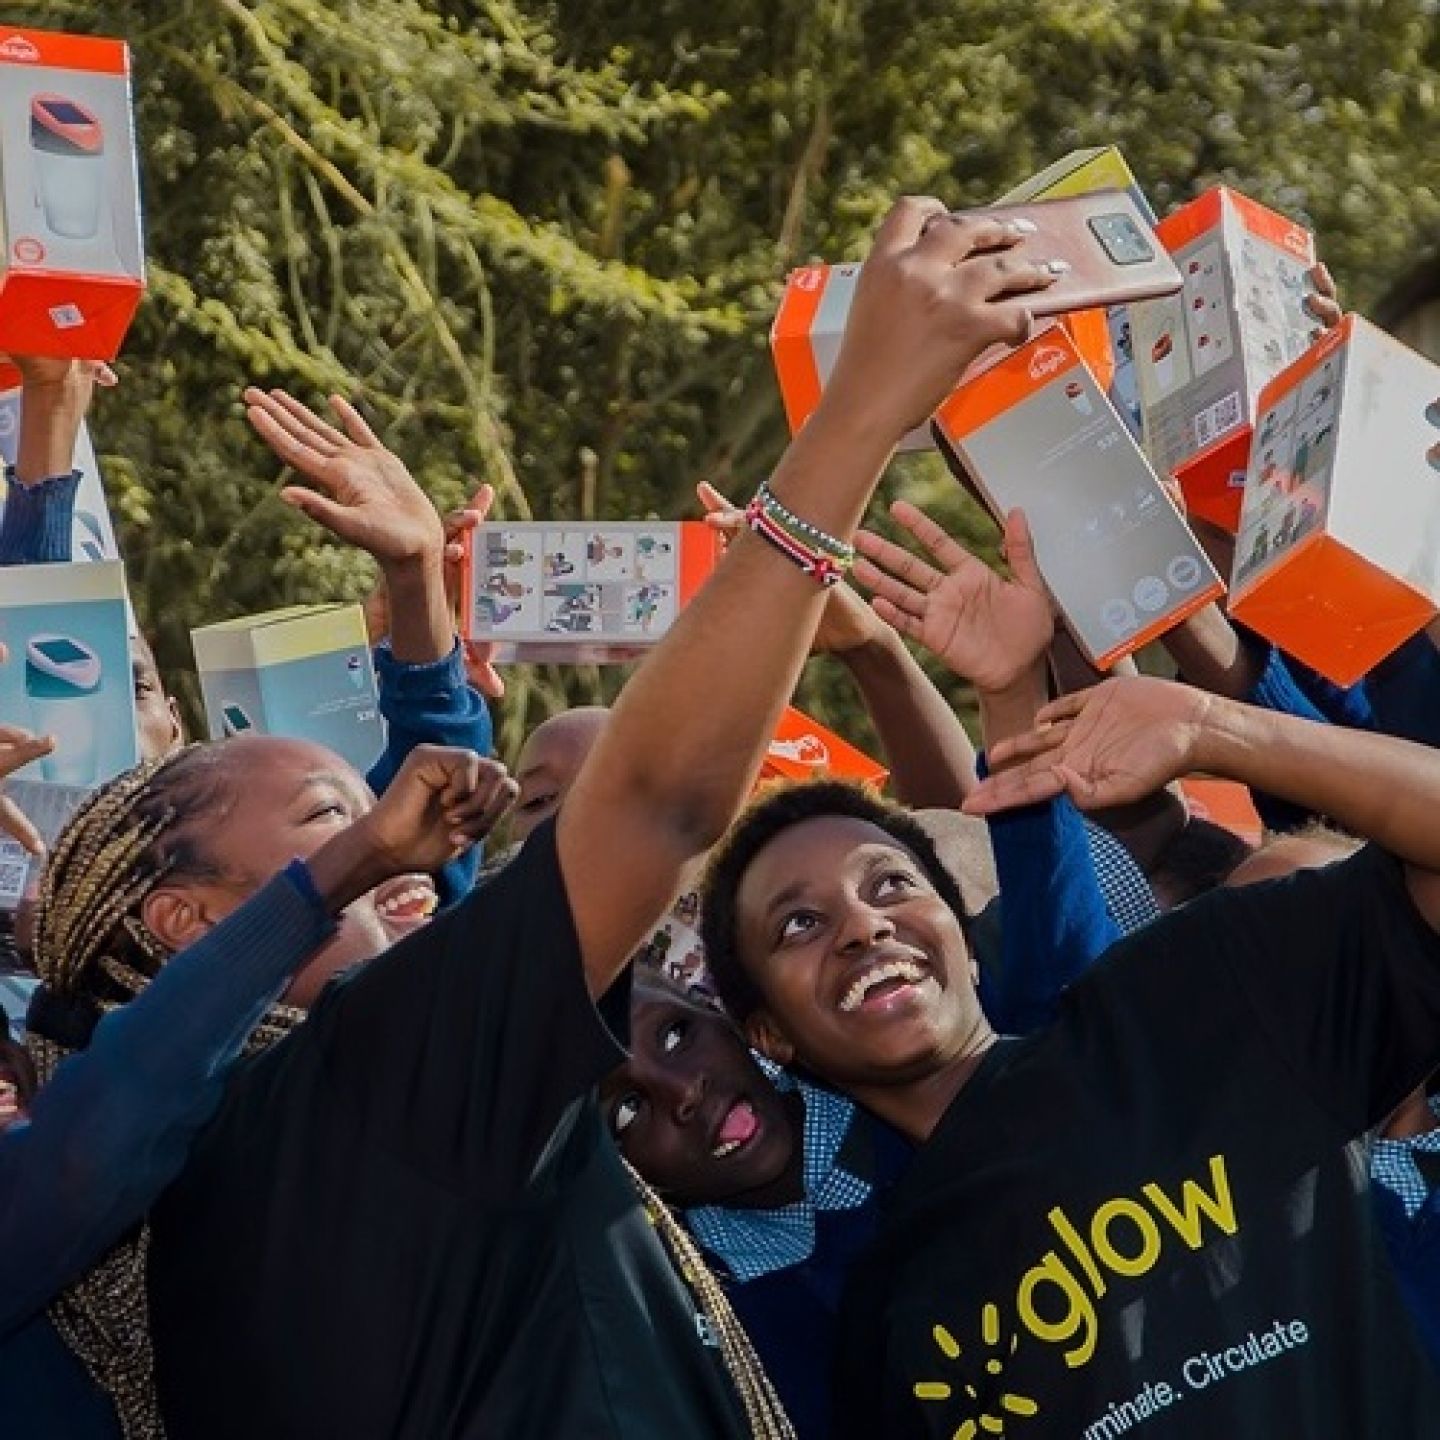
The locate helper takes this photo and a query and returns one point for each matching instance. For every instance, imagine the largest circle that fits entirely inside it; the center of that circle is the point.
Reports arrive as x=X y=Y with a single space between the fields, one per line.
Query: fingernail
x=1057 y=267
x=1021 y=226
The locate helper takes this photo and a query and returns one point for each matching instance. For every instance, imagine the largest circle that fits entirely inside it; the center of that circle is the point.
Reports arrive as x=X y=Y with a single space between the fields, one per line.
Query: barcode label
x=67 y=317
x=1217 y=419
x=14 y=865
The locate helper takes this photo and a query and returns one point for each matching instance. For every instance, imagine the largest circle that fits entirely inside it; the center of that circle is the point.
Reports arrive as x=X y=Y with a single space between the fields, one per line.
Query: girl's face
x=694 y=1113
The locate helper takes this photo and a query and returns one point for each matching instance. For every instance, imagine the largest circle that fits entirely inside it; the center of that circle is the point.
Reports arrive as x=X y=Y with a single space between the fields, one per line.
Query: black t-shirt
x=1145 y=1220
x=409 y=1221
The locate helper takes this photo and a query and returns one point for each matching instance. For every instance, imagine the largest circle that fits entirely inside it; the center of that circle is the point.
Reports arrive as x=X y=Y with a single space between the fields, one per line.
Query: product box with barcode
x=810 y=324
x=67 y=632
x=1203 y=356
x=1038 y=432
x=576 y=592
x=803 y=749
x=304 y=672
x=1082 y=172
x=1338 y=556
x=93 y=533
x=72 y=266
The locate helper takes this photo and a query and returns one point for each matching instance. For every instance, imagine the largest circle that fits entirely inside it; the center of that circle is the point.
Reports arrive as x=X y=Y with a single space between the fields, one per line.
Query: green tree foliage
x=542 y=242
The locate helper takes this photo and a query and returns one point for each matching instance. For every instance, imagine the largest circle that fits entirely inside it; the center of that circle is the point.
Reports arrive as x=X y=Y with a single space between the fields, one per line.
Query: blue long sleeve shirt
x=36 y=527
x=112 y=1129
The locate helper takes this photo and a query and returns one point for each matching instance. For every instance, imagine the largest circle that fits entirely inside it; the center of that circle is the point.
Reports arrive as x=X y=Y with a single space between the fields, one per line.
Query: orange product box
x=1203 y=356
x=1038 y=431
x=803 y=749
x=582 y=592
x=810 y=324
x=72 y=265
x=1338 y=557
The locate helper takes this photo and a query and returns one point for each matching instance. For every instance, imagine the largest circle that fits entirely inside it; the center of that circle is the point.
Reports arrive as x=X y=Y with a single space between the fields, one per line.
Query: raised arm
x=1125 y=738
x=687 y=737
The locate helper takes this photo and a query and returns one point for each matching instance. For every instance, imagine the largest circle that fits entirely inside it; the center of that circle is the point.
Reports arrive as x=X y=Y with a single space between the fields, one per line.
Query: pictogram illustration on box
x=1203 y=357
x=1038 y=432
x=803 y=749
x=72 y=267
x=577 y=592
x=1337 y=560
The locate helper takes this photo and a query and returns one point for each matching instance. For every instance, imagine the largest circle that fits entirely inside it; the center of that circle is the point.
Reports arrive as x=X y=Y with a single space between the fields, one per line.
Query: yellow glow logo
x=988 y=1421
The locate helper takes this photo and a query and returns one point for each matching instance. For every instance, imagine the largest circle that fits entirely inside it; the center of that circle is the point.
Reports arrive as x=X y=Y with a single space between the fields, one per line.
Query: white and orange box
x=1082 y=172
x=810 y=324
x=1203 y=356
x=582 y=592
x=72 y=261
x=803 y=749
x=1038 y=432
x=1338 y=557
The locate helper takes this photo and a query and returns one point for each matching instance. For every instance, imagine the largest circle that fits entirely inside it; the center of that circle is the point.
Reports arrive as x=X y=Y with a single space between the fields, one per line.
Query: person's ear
x=767 y=1037
x=175 y=915
x=177 y=725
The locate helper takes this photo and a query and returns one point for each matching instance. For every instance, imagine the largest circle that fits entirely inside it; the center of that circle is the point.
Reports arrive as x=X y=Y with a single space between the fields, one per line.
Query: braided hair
x=93 y=952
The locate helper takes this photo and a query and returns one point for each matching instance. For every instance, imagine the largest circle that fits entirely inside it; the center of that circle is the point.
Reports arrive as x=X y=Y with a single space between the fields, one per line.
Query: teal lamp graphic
x=62 y=682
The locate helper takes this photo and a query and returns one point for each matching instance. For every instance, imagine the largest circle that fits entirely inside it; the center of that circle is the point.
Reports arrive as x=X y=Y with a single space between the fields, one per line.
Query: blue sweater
x=112 y=1129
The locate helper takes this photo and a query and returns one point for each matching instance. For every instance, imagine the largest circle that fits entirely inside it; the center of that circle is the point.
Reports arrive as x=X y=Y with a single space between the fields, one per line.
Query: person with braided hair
x=128 y=1085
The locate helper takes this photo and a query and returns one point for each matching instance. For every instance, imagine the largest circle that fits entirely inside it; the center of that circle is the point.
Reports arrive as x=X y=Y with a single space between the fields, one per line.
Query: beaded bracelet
x=811 y=536
x=823 y=569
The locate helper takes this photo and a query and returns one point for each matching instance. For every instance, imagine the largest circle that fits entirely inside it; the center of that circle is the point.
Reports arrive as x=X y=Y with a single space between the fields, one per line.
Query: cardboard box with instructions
x=582 y=592
x=305 y=672
x=72 y=265
x=1038 y=432
x=803 y=749
x=1203 y=356
x=1338 y=556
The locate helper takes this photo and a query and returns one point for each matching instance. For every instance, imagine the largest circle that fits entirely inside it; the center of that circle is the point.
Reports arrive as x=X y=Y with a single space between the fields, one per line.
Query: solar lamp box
x=1202 y=357
x=1338 y=556
x=1079 y=173
x=72 y=266
x=93 y=531
x=810 y=324
x=1038 y=431
x=803 y=749
x=304 y=672
x=67 y=631
x=580 y=592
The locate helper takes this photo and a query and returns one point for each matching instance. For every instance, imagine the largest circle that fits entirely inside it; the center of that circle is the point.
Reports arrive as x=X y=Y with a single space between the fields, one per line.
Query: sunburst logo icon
x=990 y=1412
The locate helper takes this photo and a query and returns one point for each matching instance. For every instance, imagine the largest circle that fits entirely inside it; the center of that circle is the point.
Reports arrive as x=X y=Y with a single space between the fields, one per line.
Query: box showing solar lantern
x=1338 y=556
x=72 y=266
x=578 y=592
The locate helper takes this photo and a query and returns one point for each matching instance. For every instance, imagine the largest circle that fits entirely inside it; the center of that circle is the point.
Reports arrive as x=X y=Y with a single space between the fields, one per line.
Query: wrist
x=349 y=865
x=1010 y=709
x=877 y=650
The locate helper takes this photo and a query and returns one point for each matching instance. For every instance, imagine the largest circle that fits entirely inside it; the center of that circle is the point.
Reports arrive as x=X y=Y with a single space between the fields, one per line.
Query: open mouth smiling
x=883 y=979
x=737 y=1128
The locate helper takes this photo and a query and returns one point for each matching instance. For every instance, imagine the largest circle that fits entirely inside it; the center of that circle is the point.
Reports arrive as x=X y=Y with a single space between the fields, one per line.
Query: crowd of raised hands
x=1024 y=1101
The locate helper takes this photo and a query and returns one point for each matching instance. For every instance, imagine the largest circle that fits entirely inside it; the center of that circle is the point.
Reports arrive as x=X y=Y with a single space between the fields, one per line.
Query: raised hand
x=442 y=801
x=1324 y=304
x=988 y=630
x=846 y=623
x=937 y=291
x=17 y=749
x=369 y=498
x=1110 y=745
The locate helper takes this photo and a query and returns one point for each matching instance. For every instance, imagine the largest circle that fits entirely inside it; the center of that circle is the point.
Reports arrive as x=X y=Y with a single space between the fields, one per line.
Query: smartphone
x=1112 y=250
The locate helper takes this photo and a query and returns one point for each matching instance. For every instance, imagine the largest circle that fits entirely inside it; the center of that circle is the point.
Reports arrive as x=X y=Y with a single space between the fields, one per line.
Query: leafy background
x=542 y=242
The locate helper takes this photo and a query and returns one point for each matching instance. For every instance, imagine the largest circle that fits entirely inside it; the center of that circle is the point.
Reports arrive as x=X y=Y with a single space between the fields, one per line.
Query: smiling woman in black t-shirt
x=1145 y=1212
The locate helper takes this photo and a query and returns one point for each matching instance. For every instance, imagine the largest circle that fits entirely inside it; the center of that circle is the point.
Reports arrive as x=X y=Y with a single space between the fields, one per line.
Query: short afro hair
x=771 y=815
